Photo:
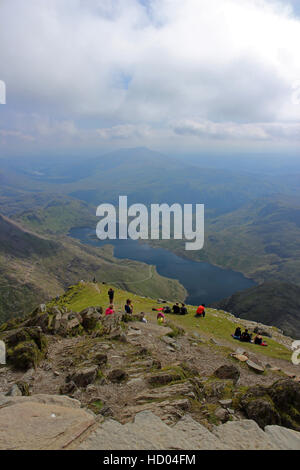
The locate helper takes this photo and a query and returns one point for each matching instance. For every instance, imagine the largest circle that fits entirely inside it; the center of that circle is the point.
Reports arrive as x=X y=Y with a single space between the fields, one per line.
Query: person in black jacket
x=111 y=294
x=176 y=308
x=246 y=337
x=183 y=310
x=238 y=333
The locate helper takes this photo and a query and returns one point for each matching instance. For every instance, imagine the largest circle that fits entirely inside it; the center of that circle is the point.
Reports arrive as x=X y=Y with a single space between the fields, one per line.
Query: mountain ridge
x=272 y=303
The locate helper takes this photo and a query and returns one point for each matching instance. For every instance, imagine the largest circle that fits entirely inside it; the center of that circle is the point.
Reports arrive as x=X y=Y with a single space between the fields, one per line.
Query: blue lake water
x=203 y=281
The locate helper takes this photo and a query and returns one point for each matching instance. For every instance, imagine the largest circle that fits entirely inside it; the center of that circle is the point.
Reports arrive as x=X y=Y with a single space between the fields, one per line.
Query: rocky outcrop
x=228 y=372
x=26 y=347
x=90 y=317
x=42 y=423
x=45 y=422
x=148 y=432
x=275 y=405
x=84 y=377
x=164 y=378
x=64 y=322
x=117 y=376
x=243 y=435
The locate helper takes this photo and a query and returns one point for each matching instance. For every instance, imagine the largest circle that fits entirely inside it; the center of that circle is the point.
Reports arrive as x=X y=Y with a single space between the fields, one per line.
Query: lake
x=203 y=281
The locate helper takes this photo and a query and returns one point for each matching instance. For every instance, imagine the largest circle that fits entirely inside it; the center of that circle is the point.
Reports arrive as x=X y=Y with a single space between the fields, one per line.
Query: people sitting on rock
x=246 y=337
x=183 y=310
x=110 y=310
x=238 y=333
x=128 y=306
x=176 y=308
x=200 y=311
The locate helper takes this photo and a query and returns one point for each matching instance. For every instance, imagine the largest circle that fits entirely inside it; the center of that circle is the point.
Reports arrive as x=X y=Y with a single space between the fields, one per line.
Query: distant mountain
x=272 y=303
x=145 y=177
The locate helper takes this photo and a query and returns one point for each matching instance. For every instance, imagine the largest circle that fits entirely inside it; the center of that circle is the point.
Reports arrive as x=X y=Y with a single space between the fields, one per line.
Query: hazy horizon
x=216 y=77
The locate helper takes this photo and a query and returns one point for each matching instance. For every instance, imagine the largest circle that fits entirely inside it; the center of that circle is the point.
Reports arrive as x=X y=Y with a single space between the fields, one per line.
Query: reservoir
x=203 y=281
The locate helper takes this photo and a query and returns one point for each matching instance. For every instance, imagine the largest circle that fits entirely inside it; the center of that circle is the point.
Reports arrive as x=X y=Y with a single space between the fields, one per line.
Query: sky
x=179 y=76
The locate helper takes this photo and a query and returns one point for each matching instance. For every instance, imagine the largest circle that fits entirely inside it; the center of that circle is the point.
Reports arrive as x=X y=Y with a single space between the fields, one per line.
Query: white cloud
x=123 y=71
x=234 y=131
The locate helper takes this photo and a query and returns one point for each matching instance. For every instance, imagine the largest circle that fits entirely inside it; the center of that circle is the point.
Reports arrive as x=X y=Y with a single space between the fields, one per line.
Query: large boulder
x=26 y=347
x=262 y=411
x=101 y=359
x=90 y=317
x=111 y=323
x=228 y=372
x=285 y=394
x=262 y=331
x=278 y=404
x=164 y=378
x=117 y=376
x=42 y=422
x=84 y=377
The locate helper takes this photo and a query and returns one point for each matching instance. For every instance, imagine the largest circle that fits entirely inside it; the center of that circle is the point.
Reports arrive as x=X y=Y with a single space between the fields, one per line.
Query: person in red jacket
x=109 y=310
x=200 y=311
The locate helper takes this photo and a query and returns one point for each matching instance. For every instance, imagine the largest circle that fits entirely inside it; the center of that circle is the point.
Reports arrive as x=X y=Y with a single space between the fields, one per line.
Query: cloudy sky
x=173 y=75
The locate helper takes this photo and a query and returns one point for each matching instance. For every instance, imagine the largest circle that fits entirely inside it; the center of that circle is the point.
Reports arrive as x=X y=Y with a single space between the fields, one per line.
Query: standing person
x=111 y=294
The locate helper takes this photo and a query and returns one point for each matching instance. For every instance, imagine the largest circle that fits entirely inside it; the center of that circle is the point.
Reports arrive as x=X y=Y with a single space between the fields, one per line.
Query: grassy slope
x=34 y=269
x=217 y=324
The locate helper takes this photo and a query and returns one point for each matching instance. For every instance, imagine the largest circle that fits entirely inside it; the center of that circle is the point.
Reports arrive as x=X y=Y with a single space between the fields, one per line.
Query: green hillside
x=216 y=324
x=261 y=240
x=34 y=268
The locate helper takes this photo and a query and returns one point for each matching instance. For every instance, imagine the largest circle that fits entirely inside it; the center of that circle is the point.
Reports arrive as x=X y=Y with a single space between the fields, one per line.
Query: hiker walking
x=111 y=294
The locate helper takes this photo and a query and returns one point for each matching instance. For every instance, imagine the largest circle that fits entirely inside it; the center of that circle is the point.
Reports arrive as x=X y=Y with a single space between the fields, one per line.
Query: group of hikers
x=246 y=337
x=177 y=309
x=180 y=309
